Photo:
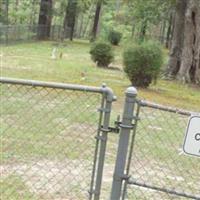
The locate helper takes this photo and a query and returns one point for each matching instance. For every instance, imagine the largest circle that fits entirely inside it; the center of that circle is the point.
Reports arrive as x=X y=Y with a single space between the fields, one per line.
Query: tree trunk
x=143 y=30
x=33 y=13
x=117 y=8
x=87 y=23
x=118 y=4
x=162 y=37
x=7 y=12
x=45 y=18
x=16 y=9
x=81 y=25
x=133 y=28
x=169 y=31
x=1 y=11
x=190 y=65
x=96 y=20
x=70 y=18
x=177 y=41
x=172 y=31
x=4 y=5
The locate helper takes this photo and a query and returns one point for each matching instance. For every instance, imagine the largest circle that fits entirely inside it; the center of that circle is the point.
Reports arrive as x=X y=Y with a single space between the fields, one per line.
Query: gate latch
x=116 y=128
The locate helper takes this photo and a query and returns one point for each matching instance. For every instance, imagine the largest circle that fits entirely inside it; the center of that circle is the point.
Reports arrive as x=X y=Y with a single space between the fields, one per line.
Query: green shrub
x=142 y=63
x=114 y=37
x=102 y=54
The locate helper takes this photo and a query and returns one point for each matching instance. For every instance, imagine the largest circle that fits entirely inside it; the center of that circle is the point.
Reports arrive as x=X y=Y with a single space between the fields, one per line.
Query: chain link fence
x=157 y=166
x=49 y=136
x=27 y=33
x=57 y=143
x=18 y=33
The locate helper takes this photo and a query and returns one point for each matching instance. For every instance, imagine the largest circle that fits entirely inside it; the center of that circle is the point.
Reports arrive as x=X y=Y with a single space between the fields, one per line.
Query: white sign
x=192 y=139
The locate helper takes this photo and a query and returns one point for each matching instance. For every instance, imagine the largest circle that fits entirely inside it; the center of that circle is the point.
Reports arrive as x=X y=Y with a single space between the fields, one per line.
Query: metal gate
x=56 y=144
x=53 y=139
x=150 y=161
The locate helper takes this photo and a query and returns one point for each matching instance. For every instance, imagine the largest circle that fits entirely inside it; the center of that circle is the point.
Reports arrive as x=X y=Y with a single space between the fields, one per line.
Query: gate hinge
x=111 y=129
x=117 y=124
x=114 y=129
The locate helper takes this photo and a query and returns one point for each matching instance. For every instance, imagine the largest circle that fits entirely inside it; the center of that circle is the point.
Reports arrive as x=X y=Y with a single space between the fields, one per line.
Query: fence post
x=103 y=140
x=126 y=126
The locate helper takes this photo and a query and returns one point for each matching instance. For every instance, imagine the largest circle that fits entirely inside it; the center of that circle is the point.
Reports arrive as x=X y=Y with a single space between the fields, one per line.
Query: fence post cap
x=131 y=91
x=109 y=92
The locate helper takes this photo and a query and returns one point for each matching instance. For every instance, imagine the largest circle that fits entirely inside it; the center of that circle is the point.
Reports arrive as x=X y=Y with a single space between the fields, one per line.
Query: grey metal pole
x=96 y=150
x=103 y=139
x=126 y=126
x=124 y=190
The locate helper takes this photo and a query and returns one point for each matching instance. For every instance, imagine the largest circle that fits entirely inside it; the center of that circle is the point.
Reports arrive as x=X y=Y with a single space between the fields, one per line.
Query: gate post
x=126 y=126
x=109 y=98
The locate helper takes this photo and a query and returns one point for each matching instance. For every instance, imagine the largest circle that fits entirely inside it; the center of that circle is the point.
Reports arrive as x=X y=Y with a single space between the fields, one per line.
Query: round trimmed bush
x=142 y=63
x=102 y=54
x=114 y=37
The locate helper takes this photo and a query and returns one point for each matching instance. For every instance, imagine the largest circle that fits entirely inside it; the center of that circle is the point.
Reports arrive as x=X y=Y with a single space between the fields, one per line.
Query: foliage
x=78 y=60
x=102 y=53
x=70 y=17
x=114 y=37
x=120 y=20
x=125 y=16
x=136 y=18
x=142 y=63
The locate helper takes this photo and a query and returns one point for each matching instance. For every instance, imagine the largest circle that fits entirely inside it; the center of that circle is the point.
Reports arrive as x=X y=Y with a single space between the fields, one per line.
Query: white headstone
x=53 y=54
x=192 y=138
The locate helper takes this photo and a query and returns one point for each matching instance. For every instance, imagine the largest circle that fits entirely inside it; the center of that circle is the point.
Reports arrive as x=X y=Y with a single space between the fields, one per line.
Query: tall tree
x=184 y=62
x=33 y=12
x=45 y=18
x=118 y=4
x=87 y=22
x=177 y=41
x=190 y=64
x=7 y=12
x=83 y=13
x=96 y=19
x=16 y=9
x=149 y=12
x=169 y=29
x=3 y=12
x=143 y=29
x=70 y=17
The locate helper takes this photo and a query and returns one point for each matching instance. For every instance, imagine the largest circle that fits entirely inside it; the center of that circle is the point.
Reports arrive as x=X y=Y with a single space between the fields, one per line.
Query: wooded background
x=175 y=23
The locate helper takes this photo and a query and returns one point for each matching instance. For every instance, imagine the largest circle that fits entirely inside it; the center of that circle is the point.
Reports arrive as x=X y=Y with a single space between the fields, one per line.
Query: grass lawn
x=33 y=61
x=47 y=141
x=19 y=192
x=48 y=136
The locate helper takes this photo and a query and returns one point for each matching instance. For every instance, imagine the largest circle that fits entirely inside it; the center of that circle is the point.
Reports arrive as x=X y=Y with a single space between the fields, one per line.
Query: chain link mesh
x=158 y=159
x=47 y=143
x=19 y=33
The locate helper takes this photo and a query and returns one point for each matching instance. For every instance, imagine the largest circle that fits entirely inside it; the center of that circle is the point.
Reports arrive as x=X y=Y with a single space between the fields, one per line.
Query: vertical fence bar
x=131 y=151
x=103 y=140
x=126 y=127
x=96 y=149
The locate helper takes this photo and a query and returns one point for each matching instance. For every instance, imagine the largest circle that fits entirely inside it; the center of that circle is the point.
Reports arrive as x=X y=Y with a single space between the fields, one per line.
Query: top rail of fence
x=149 y=104
x=101 y=90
